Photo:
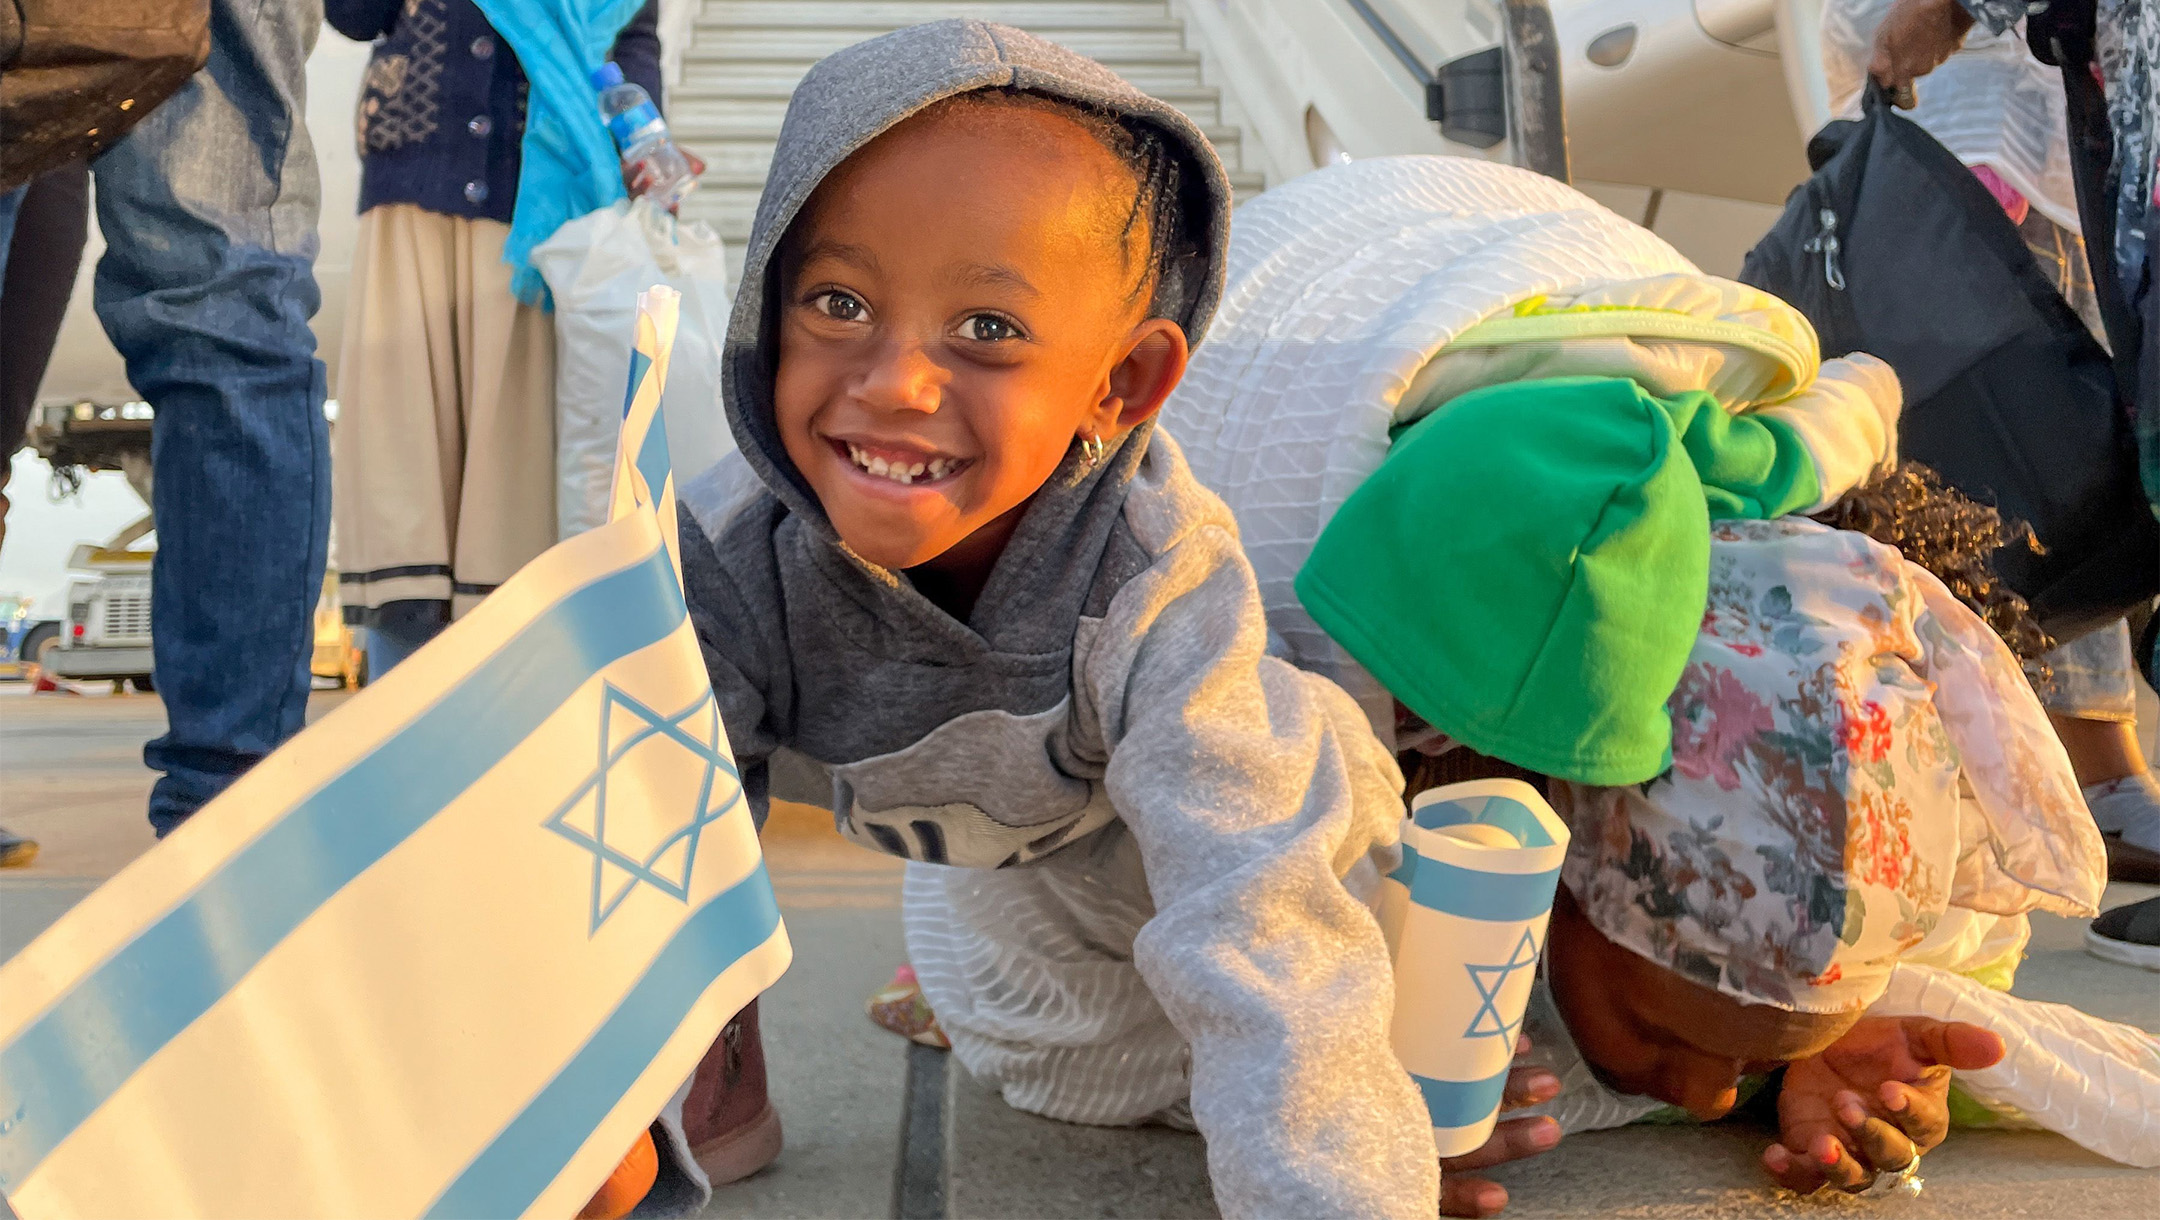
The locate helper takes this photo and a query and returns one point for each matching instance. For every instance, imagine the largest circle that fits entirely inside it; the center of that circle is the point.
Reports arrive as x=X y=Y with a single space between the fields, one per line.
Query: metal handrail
x=1392 y=41
x=1537 y=122
x=1530 y=51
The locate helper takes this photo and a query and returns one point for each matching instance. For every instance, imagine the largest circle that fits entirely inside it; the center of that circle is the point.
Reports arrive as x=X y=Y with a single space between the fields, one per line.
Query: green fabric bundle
x=1528 y=569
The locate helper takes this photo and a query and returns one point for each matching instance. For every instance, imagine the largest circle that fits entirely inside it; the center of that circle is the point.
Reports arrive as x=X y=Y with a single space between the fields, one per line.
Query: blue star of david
x=1488 y=980
x=696 y=817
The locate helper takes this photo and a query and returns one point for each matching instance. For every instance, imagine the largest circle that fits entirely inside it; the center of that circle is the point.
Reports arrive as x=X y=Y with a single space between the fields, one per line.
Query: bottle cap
x=606 y=76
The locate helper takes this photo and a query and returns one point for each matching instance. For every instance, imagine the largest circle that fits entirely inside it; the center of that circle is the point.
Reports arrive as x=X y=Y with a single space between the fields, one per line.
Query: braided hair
x=1172 y=266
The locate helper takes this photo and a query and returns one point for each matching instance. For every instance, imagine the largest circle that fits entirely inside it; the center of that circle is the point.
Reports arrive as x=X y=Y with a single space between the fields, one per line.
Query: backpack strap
x=2062 y=35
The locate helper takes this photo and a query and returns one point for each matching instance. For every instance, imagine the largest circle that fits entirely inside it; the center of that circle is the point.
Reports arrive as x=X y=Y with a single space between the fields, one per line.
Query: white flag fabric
x=445 y=953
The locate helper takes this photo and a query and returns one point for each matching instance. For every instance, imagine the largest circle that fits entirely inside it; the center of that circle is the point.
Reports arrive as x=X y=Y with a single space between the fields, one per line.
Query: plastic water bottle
x=649 y=156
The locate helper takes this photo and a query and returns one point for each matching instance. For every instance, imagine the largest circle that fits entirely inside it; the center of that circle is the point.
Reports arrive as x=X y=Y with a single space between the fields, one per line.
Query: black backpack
x=1895 y=248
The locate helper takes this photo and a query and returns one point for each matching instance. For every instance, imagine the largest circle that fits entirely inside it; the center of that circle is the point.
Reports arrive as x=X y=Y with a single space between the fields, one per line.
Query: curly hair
x=1955 y=537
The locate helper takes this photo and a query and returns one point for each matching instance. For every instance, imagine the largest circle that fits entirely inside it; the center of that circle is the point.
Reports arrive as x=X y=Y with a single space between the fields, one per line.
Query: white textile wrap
x=1342 y=285
x=1346 y=285
x=2095 y=1081
x=1668 y=333
x=1990 y=104
x=1848 y=421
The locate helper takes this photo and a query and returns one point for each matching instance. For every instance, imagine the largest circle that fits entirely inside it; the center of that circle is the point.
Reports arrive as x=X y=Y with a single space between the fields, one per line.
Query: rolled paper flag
x=1465 y=914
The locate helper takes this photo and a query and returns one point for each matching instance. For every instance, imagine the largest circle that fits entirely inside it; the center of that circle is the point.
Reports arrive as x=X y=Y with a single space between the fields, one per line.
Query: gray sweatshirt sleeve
x=1251 y=788
x=737 y=652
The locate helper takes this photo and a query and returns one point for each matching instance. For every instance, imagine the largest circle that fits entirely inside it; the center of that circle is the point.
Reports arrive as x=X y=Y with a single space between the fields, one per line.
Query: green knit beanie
x=1529 y=567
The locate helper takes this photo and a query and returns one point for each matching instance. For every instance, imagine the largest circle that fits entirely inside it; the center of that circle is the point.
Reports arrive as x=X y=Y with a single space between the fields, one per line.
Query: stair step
x=747 y=56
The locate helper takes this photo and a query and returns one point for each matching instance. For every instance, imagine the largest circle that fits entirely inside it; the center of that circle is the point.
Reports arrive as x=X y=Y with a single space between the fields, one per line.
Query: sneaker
x=729 y=1122
x=626 y=1187
x=16 y=851
x=2127 y=935
x=2127 y=810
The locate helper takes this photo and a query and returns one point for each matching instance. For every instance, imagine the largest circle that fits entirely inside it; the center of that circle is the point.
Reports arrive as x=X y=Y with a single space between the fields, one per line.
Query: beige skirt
x=443 y=454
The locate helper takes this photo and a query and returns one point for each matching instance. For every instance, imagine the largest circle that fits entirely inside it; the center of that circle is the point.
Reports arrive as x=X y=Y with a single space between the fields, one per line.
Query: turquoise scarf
x=570 y=163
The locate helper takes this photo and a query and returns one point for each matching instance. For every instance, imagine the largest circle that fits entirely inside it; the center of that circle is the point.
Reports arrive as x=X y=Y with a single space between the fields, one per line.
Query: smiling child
x=957 y=569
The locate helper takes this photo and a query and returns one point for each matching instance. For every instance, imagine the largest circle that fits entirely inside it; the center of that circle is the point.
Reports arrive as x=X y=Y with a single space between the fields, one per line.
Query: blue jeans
x=2093 y=677
x=10 y=202
x=207 y=284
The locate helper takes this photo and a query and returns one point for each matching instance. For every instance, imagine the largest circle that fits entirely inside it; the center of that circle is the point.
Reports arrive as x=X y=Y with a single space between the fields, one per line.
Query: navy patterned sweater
x=442 y=108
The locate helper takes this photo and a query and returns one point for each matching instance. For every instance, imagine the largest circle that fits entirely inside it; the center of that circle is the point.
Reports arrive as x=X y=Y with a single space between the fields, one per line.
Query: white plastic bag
x=596 y=266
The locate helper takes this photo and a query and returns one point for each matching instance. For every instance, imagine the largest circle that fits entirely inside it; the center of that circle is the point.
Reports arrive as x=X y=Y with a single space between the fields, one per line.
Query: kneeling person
x=957 y=567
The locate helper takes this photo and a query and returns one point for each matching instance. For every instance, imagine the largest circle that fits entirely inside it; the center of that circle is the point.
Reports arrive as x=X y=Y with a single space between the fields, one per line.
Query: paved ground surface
x=71 y=776
x=1000 y=1163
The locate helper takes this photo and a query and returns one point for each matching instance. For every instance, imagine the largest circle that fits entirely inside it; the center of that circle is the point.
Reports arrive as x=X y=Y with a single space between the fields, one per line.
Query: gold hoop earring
x=1092 y=449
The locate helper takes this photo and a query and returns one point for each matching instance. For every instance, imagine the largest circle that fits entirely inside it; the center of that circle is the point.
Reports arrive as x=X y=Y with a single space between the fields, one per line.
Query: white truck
x=107 y=630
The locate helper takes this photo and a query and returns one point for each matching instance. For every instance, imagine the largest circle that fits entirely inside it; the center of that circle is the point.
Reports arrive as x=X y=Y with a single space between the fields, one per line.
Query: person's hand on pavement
x=1872 y=1101
x=1913 y=40
x=1512 y=1140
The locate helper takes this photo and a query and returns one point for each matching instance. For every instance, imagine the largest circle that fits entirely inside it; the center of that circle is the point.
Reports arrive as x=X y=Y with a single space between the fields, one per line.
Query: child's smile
x=958 y=308
x=906 y=465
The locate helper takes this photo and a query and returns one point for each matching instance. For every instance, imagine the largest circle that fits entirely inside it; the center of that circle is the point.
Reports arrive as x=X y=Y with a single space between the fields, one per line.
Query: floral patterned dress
x=1854 y=755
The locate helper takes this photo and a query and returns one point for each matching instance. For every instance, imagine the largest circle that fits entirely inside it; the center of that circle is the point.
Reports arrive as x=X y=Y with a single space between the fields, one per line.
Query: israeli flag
x=447 y=952
x=1464 y=916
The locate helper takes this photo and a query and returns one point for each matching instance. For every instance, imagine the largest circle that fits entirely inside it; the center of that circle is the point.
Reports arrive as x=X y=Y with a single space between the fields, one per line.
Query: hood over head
x=857 y=94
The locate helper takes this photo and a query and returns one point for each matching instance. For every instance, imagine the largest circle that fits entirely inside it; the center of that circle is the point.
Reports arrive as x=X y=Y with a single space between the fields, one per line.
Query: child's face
x=1647 y=1031
x=959 y=307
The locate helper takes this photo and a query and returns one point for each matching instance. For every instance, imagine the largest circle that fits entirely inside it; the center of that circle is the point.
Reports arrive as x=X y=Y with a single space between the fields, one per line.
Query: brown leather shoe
x=2131 y=863
x=730 y=1123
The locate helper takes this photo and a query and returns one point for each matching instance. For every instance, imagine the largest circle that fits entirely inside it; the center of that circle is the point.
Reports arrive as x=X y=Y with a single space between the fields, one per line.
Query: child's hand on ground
x=1872 y=1101
x=1512 y=1140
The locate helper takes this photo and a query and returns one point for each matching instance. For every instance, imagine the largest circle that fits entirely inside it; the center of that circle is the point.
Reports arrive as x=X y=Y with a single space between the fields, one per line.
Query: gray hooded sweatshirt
x=1111 y=686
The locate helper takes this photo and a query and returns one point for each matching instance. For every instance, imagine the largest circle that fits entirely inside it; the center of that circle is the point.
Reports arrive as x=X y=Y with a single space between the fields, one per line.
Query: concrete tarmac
x=71 y=776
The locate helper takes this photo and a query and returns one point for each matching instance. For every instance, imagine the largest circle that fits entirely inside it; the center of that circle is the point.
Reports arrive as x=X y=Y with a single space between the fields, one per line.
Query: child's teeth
x=903 y=472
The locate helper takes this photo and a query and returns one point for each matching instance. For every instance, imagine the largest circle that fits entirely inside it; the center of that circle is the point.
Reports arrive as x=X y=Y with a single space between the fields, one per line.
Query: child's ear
x=1154 y=363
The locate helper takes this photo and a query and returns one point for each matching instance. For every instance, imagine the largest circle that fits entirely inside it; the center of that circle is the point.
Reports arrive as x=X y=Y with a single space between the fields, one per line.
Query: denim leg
x=2092 y=677
x=206 y=288
x=10 y=203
